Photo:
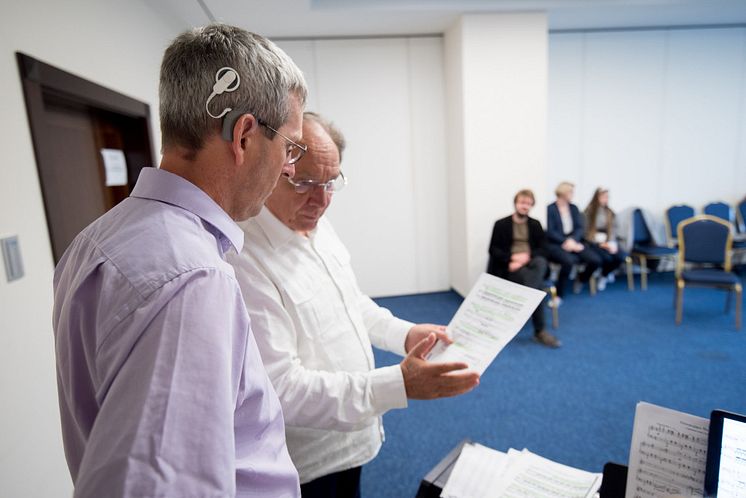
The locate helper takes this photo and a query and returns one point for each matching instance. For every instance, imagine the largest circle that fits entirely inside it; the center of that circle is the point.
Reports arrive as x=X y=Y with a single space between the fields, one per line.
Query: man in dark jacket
x=517 y=254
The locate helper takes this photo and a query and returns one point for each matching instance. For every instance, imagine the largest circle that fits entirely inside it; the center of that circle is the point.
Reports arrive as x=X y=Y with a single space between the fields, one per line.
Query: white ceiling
x=338 y=18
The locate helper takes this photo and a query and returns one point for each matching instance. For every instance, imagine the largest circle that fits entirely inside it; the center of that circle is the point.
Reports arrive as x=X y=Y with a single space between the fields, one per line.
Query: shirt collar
x=160 y=185
x=277 y=232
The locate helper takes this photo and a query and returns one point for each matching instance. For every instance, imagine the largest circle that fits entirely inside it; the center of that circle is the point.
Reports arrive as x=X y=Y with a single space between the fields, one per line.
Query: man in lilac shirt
x=161 y=386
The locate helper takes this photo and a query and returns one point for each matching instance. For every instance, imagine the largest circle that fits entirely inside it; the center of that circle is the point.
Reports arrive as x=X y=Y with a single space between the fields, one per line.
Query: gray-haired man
x=315 y=328
x=162 y=390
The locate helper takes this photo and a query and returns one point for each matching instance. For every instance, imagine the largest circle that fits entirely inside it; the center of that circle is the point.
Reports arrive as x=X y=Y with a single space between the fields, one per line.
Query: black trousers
x=343 y=484
x=609 y=262
x=532 y=275
x=565 y=259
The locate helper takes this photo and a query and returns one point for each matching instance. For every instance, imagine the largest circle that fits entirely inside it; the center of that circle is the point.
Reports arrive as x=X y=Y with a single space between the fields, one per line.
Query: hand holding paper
x=491 y=315
x=426 y=380
x=421 y=331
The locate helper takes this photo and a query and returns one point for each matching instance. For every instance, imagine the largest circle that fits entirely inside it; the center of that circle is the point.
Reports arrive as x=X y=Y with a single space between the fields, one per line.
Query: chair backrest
x=705 y=239
x=721 y=210
x=741 y=215
x=640 y=232
x=674 y=216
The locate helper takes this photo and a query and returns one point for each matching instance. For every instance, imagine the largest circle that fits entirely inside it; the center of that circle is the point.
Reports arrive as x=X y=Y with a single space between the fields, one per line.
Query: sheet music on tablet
x=491 y=315
x=668 y=453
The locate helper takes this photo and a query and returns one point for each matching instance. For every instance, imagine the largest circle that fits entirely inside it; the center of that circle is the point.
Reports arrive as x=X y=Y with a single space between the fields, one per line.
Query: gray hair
x=268 y=78
x=334 y=133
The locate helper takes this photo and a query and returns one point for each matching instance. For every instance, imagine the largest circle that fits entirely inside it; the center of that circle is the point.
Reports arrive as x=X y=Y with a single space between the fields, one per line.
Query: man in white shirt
x=314 y=328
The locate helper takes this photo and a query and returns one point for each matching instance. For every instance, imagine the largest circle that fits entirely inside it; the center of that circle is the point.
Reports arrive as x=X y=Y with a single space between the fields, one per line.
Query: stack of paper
x=483 y=472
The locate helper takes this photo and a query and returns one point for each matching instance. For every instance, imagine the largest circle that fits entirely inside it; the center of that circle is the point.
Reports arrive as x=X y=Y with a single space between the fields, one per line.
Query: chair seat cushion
x=655 y=250
x=710 y=276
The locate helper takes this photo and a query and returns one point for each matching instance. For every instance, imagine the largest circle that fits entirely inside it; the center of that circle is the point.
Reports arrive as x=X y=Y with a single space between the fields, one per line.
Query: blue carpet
x=574 y=405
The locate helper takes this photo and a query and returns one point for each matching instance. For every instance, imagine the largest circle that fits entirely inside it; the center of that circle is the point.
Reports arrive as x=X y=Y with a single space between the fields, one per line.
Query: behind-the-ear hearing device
x=229 y=122
x=226 y=80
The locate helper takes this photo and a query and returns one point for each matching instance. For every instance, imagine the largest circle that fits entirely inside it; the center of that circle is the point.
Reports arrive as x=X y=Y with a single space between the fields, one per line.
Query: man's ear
x=244 y=132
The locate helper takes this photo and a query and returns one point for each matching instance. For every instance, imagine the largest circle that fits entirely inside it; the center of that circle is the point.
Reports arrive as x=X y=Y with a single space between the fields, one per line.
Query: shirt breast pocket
x=313 y=312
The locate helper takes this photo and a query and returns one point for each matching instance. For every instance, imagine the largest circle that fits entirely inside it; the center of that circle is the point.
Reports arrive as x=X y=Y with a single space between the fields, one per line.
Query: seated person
x=314 y=328
x=601 y=234
x=565 y=232
x=517 y=254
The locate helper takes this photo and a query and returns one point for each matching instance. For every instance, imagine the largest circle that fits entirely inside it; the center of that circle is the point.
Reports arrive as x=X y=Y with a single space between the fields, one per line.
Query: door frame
x=39 y=78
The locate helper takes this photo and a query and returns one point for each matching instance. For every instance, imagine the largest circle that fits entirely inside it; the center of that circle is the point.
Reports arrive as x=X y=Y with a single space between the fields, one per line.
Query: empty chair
x=705 y=248
x=741 y=216
x=720 y=210
x=739 y=237
x=725 y=212
x=674 y=216
x=644 y=247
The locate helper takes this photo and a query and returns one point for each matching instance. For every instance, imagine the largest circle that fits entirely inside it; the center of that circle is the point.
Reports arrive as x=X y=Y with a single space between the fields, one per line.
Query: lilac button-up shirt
x=162 y=389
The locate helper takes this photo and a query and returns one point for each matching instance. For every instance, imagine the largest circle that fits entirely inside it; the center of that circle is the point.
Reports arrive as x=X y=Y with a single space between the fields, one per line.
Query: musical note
x=668 y=453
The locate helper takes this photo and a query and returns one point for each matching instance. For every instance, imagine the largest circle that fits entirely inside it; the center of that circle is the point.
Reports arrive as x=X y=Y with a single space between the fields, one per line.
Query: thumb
x=423 y=347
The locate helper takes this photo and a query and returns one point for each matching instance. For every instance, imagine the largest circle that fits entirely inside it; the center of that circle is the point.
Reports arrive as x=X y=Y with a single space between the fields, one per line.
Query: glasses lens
x=337 y=184
x=294 y=154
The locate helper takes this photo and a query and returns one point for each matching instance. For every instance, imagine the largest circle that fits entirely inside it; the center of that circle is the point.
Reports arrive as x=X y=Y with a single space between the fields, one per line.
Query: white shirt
x=314 y=328
x=566 y=217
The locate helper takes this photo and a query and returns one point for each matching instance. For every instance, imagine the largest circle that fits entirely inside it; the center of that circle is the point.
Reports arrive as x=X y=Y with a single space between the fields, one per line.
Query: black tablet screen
x=726 y=456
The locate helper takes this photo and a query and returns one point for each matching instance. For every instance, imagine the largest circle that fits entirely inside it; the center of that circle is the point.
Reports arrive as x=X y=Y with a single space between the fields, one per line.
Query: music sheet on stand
x=668 y=453
x=531 y=475
x=481 y=472
x=491 y=315
x=477 y=471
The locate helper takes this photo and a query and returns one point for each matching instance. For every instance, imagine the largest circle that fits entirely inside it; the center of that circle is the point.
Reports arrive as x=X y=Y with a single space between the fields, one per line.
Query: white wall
x=118 y=45
x=659 y=117
x=387 y=97
x=497 y=77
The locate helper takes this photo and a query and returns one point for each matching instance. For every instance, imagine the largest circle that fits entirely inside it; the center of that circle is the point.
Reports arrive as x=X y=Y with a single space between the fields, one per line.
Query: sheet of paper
x=668 y=453
x=115 y=167
x=490 y=316
x=529 y=475
x=476 y=472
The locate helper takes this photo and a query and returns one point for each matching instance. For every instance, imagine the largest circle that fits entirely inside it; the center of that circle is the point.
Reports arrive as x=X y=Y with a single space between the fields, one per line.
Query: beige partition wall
x=496 y=94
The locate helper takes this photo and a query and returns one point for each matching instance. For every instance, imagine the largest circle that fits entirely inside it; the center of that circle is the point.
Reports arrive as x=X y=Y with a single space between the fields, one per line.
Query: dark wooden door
x=71 y=121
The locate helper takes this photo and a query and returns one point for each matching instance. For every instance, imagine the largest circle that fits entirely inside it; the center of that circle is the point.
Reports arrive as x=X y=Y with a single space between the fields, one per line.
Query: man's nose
x=288 y=170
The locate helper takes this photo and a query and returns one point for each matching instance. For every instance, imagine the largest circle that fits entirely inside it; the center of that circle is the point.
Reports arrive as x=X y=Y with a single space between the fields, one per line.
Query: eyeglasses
x=295 y=150
x=332 y=186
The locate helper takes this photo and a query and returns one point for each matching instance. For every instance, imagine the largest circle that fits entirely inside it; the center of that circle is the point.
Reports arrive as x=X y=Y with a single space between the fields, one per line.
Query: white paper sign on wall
x=115 y=166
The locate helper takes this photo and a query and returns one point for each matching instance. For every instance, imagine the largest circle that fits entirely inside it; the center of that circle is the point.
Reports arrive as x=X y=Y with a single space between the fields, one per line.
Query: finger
x=435 y=328
x=458 y=391
x=435 y=369
x=453 y=385
x=423 y=347
x=442 y=335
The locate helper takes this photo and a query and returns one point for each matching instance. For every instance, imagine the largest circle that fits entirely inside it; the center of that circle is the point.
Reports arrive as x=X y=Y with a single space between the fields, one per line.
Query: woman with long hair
x=601 y=234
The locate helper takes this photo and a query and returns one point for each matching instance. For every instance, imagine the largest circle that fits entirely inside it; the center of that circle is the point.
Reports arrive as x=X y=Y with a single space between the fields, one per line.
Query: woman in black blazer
x=565 y=230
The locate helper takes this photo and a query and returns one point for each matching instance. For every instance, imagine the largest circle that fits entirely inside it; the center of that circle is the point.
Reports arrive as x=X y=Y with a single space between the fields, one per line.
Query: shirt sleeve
x=499 y=249
x=165 y=424
x=385 y=330
x=311 y=397
x=554 y=231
